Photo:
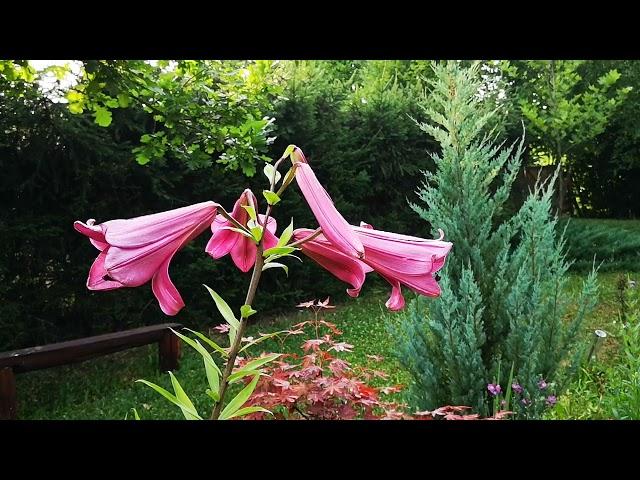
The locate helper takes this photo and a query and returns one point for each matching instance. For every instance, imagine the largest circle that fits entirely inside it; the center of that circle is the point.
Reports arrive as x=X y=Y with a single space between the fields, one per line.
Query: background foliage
x=135 y=137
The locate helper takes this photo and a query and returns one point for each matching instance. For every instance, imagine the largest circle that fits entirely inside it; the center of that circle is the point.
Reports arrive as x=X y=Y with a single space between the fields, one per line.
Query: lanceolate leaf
x=269 y=265
x=247 y=411
x=251 y=211
x=213 y=344
x=234 y=405
x=172 y=398
x=187 y=407
x=224 y=309
x=278 y=251
x=271 y=197
x=286 y=235
x=211 y=369
x=269 y=169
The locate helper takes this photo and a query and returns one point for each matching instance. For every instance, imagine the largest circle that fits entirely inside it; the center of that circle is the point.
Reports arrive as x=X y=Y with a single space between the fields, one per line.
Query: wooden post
x=8 y=399
x=169 y=351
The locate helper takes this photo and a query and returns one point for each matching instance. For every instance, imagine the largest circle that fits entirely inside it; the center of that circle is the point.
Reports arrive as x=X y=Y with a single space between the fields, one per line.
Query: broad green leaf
x=269 y=170
x=271 y=197
x=187 y=407
x=103 y=117
x=247 y=411
x=76 y=108
x=269 y=265
x=286 y=235
x=224 y=309
x=236 y=403
x=251 y=211
x=142 y=159
x=123 y=100
x=213 y=344
x=246 y=311
x=172 y=398
x=278 y=251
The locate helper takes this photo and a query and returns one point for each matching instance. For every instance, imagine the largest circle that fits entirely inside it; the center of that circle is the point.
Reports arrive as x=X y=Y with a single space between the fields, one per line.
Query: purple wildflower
x=516 y=387
x=525 y=402
x=551 y=400
x=542 y=384
x=494 y=389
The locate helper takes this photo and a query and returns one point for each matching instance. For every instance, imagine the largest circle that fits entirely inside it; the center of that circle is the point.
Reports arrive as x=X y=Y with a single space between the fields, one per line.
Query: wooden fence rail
x=36 y=358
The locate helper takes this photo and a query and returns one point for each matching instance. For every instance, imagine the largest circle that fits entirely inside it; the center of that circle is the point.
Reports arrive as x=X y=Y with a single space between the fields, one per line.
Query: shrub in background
x=502 y=289
x=614 y=243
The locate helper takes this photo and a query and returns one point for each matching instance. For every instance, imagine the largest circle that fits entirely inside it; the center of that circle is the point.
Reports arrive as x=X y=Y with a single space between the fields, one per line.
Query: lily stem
x=233 y=353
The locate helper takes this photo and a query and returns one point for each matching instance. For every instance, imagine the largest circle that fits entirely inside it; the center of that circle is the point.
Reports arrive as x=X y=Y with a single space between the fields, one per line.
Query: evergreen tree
x=502 y=306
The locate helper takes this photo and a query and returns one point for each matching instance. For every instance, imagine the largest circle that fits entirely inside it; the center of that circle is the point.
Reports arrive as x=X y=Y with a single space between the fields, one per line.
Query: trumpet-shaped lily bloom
x=243 y=249
x=137 y=250
x=348 y=269
x=334 y=227
x=399 y=259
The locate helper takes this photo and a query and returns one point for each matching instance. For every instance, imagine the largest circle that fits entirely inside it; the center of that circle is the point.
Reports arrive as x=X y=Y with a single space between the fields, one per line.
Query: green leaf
x=278 y=251
x=269 y=170
x=240 y=231
x=187 y=407
x=135 y=414
x=172 y=398
x=211 y=369
x=247 y=411
x=102 y=116
x=271 y=258
x=271 y=197
x=269 y=265
x=246 y=311
x=224 y=309
x=76 y=108
x=286 y=235
x=258 y=362
x=234 y=405
x=213 y=344
x=257 y=233
x=240 y=374
x=124 y=100
x=251 y=211
x=142 y=159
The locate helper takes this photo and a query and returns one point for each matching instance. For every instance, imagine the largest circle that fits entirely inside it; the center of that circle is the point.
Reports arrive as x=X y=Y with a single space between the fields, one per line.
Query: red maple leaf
x=312 y=344
x=341 y=347
x=222 y=328
x=308 y=304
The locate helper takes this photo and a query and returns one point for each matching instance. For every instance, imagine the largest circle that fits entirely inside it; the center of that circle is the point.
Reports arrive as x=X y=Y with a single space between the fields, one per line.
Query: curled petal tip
x=441 y=237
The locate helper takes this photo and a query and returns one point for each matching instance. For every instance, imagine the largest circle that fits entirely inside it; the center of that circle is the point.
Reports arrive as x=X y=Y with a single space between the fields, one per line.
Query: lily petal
x=333 y=224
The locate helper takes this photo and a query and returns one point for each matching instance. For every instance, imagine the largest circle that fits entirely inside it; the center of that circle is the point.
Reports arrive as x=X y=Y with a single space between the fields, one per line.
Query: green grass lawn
x=105 y=388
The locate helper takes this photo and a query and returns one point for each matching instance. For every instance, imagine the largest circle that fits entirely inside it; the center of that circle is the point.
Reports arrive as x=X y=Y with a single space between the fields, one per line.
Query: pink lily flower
x=399 y=259
x=348 y=269
x=137 y=250
x=243 y=249
x=334 y=226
